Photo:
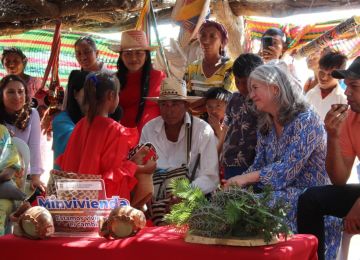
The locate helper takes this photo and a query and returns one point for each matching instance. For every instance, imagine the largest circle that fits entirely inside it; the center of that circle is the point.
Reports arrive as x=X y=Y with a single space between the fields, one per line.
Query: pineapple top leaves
x=235 y=212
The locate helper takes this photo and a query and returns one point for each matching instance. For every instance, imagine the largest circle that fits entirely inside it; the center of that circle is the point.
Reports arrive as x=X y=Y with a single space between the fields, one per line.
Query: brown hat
x=132 y=40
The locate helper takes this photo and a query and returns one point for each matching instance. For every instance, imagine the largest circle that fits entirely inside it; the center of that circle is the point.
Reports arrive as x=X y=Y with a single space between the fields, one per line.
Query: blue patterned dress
x=293 y=162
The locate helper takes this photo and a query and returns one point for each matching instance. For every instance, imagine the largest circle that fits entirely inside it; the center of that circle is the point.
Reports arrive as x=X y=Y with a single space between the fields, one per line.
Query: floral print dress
x=293 y=162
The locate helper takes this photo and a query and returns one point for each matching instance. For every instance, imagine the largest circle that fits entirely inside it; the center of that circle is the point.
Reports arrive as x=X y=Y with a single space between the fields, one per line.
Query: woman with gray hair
x=291 y=146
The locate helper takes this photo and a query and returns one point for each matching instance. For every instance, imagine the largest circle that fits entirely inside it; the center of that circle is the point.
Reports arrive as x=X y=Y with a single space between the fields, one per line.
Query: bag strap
x=189 y=128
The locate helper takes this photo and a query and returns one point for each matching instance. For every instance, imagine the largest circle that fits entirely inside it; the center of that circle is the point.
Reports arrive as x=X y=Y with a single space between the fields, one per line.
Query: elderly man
x=339 y=200
x=167 y=133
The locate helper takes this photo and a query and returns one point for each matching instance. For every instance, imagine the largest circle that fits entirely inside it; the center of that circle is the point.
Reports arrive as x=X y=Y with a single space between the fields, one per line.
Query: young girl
x=100 y=145
x=14 y=62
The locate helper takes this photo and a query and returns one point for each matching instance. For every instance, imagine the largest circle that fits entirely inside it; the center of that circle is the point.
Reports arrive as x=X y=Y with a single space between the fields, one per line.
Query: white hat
x=173 y=89
x=132 y=40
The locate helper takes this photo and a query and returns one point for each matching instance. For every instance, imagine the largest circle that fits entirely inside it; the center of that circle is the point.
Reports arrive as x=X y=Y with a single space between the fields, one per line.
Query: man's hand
x=334 y=118
x=352 y=219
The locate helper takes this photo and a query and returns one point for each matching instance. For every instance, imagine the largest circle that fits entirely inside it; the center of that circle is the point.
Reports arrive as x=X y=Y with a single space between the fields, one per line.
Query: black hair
x=275 y=32
x=218 y=93
x=145 y=81
x=96 y=87
x=21 y=118
x=333 y=60
x=75 y=83
x=88 y=40
x=245 y=64
x=15 y=50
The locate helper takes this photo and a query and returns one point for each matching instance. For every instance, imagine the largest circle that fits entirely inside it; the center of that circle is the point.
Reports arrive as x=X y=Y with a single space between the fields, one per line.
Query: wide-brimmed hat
x=173 y=89
x=353 y=72
x=132 y=40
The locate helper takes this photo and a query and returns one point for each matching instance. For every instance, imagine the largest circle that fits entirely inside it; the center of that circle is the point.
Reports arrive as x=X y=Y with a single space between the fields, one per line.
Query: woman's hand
x=243 y=180
x=37 y=183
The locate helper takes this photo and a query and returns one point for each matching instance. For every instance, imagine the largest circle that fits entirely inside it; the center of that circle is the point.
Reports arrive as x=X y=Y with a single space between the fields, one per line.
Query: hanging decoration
x=36 y=45
x=55 y=92
x=299 y=35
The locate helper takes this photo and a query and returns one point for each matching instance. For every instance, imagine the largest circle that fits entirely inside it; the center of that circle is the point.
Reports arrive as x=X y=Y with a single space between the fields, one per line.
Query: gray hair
x=290 y=99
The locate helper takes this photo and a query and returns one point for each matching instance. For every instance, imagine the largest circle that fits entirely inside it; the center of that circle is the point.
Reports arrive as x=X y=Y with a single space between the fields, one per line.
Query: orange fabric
x=349 y=137
x=102 y=148
x=129 y=99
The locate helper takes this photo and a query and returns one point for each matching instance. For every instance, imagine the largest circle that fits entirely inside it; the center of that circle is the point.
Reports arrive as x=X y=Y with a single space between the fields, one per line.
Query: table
x=150 y=243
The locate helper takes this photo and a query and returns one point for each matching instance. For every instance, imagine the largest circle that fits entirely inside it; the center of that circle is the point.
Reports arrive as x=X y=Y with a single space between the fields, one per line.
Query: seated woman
x=64 y=123
x=291 y=146
x=22 y=121
x=99 y=145
x=137 y=78
x=14 y=62
x=214 y=70
x=10 y=168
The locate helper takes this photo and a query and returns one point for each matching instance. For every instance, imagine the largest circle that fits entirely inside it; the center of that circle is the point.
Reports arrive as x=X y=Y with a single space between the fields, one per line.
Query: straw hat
x=132 y=40
x=173 y=89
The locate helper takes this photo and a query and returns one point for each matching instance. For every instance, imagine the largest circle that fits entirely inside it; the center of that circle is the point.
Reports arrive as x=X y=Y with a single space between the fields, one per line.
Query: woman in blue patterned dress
x=291 y=145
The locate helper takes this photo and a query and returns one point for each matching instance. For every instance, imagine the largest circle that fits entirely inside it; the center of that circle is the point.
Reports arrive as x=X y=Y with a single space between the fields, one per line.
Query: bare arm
x=338 y=167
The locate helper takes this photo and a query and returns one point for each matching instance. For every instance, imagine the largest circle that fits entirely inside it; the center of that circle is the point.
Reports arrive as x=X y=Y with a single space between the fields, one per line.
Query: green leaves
x=234 y=212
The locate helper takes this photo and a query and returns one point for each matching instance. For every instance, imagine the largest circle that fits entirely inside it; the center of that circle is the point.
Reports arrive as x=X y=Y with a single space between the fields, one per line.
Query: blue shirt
x=62 y=128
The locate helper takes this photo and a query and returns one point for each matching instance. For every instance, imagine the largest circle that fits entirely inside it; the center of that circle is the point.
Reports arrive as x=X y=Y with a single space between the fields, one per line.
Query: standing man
x=341 y=200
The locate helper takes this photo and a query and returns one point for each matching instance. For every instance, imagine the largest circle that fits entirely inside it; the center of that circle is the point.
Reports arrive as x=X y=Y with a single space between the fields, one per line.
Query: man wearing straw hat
x=167 y=133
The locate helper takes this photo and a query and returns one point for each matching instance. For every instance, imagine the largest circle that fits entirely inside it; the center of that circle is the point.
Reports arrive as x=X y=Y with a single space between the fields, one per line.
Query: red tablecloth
x=151 y=243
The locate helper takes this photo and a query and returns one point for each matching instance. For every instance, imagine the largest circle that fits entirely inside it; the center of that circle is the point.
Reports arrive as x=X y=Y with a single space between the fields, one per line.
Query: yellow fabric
x=189 y=9
x=6 y=207
x=9 y=156
x=198 y=84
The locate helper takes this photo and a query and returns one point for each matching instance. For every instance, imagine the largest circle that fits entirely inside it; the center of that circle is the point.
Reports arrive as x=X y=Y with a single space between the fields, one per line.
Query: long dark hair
x=145 y=81
x=95 y=88
x=75 y=83
x=21 y=118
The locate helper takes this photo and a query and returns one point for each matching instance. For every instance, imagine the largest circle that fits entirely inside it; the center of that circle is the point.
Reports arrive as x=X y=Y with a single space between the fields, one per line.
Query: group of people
x=250 y=121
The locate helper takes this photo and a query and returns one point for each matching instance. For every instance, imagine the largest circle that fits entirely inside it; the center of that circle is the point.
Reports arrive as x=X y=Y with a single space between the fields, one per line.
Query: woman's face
x=86 y=56
x=263 y=95
x=134 y=60
x=14 y=64
x=14 y=96
x=210 y=40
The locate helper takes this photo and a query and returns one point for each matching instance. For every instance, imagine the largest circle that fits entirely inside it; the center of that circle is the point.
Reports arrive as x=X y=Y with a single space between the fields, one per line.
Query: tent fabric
x=36 y=45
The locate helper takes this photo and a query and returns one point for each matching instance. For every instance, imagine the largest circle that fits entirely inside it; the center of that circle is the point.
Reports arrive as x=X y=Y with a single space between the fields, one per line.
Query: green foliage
x=190 y=197
x=235 y=212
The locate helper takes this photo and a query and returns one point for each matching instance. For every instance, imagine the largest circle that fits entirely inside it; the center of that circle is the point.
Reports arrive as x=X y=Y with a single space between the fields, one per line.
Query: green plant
x=235 y=212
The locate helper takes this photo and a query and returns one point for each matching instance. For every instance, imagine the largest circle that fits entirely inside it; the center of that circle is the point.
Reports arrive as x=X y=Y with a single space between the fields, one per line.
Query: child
x=216 y=100
x=328 y=91
x=100 y=145
x=240 y=120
